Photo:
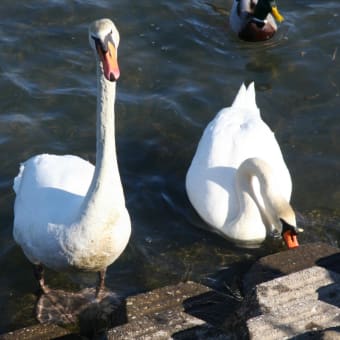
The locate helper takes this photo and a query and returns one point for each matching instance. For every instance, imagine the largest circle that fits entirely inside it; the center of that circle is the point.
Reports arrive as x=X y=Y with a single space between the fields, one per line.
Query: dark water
x=179 y=65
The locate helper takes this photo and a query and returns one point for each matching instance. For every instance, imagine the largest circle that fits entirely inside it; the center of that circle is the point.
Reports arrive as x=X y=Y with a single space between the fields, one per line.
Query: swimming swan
x=238 y=181
x=254 y=20
x=69 y=214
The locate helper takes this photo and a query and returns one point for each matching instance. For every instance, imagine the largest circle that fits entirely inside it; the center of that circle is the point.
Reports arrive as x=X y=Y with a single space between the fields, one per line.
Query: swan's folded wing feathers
x=67 y=172
x=50 y=189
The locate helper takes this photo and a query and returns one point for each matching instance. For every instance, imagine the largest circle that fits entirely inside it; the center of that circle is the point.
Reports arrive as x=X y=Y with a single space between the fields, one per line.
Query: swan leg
x=38 y=270
x=101 y=283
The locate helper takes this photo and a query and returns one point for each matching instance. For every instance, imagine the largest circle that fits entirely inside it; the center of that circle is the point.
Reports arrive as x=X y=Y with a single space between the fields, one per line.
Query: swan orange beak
x=290 y=239
x=110 y=62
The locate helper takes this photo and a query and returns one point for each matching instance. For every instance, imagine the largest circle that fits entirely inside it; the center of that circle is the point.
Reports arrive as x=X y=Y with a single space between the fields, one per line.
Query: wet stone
x=290 y=261
x=291 y=294
x=36 y=332
x=183 y=311
x=187 y=310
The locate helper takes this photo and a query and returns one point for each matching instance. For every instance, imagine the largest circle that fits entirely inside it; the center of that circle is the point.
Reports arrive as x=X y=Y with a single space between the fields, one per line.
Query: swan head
x=104 y=40
x=289 y=234
x=285 y=224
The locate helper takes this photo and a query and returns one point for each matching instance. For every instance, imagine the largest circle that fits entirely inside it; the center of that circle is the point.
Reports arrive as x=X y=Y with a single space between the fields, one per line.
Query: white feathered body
x=50 y=192
x=234 y=135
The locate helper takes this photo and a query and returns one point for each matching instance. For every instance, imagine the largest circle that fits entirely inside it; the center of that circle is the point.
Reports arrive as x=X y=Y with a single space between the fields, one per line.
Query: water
x=179 y=65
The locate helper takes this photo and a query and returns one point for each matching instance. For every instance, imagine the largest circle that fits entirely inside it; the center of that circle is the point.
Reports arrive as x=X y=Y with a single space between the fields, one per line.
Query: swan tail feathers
x=246 y=97
x=251 y=95
x=240 y=97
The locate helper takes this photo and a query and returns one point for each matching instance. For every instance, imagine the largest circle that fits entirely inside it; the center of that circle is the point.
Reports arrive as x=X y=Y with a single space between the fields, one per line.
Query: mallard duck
x=254 y=20
x=69 y=214
x=238 y=181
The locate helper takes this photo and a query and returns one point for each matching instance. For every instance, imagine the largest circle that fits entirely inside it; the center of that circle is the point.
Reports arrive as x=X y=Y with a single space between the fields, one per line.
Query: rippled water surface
x=179 y=65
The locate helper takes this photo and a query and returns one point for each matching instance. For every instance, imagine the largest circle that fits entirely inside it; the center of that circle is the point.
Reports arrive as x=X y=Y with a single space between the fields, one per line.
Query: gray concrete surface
x=187 y=310
x=298 y=304
x=36 y=332
x=293 y=294
x=180 y=311
x=292 y=281
x=290 y=261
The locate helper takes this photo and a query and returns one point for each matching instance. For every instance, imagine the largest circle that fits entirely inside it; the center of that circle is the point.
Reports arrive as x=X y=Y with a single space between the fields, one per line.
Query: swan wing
x=49 y=192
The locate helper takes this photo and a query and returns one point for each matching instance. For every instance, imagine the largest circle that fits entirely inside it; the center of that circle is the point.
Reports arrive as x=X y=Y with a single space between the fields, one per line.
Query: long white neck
x=106 y=189
x=257 y=214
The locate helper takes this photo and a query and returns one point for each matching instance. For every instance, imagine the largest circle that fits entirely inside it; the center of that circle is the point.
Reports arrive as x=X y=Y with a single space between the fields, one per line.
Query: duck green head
x=264 y=7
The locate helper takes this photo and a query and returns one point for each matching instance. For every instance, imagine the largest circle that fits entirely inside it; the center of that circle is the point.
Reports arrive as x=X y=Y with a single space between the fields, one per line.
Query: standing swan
x=69 y=214
x=238 y=181
x=254 y=20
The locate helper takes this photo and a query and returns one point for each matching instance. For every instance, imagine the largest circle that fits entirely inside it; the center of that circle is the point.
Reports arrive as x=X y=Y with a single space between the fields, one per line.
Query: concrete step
x=36 y=332
x=293 y=294
x=299 y=287
x=296 y=304
x=172 y=323
x=187 y=310
x=180 y=312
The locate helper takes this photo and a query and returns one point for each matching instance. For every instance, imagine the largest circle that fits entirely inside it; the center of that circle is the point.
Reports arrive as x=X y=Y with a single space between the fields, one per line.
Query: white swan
x=254 y=20
x=238 y=181
x=68 y=213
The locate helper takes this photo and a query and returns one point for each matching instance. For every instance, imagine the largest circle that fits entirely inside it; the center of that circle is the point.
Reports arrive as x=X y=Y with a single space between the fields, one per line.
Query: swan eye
x=93 y=37
x=103 y=45
x=99 y=45
x=96 y=40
